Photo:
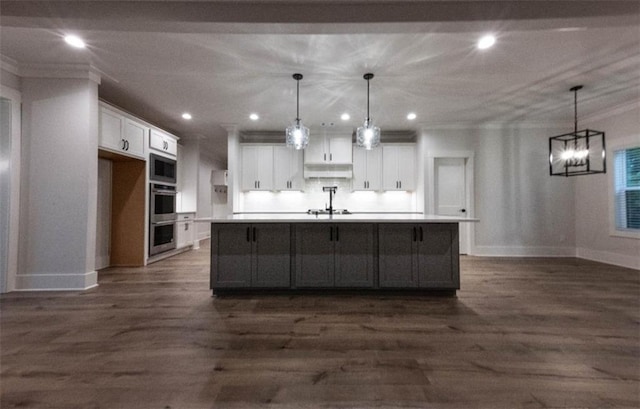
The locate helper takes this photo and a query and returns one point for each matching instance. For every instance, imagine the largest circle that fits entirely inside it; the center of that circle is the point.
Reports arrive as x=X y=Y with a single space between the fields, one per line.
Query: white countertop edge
x=348 y=218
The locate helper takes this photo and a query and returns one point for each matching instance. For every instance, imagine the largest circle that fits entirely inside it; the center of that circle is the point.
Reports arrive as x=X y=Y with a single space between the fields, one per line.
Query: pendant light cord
x=575 y=110
x=297 y=100
x=575 y=107
x=367 y=100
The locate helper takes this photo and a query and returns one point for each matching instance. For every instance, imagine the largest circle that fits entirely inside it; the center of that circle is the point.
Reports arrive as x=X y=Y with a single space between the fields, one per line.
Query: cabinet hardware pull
x=365 y=185
x=330 y=233
x=127 y=145
x=421 y=235
x=325 y=156
x=337 y=233
x=330 y=157
x=414 y=234
x=248 y=238
x=400 y=184
x=123 y=145
x=255 y=235
x=186 y=226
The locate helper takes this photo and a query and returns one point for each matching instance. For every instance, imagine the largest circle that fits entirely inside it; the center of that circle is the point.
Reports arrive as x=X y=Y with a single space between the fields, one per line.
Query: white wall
x=593 y=226
x=59 y=193
x=188 y=159
x=207 y=206
x=522 y=210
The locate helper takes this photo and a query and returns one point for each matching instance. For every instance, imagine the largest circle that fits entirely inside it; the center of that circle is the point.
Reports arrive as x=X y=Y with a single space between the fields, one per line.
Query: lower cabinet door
x=271 y=263
x=354 y=255
x=398 y=264
x=438 y=258
x=231 y=255
x=314 y=255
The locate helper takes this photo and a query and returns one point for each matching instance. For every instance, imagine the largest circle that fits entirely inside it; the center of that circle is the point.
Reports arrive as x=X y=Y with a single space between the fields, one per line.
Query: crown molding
x=78 y=71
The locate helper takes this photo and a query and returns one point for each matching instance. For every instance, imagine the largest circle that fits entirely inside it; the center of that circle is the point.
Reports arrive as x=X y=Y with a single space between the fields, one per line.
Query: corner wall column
x=59 y=180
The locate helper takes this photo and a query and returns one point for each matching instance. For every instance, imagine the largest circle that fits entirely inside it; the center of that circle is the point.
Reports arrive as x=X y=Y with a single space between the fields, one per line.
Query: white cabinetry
x=163 y=142
x=185 y=232
x=328 y=150
x=121 y=134
x=398 y=167
x=367 y=169
x=287 y=169
x=257 y=167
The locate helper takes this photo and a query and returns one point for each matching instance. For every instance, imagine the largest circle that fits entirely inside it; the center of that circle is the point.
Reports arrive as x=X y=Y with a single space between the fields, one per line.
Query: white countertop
x=337 y=218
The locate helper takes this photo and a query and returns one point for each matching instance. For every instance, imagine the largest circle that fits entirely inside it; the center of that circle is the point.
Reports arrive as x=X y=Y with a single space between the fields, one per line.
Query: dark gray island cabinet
x=324 y=254
x=251 y=255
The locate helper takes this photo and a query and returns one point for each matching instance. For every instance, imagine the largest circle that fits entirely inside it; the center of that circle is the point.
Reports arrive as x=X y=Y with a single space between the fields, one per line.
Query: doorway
x=451 y=191
x=9 y=186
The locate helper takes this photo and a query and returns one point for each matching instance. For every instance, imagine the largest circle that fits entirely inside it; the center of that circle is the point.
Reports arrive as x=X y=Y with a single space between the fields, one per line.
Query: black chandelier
x=579 y=152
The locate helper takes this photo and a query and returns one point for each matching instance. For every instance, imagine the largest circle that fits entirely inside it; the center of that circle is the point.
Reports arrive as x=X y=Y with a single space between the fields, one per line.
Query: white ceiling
x=223 y=60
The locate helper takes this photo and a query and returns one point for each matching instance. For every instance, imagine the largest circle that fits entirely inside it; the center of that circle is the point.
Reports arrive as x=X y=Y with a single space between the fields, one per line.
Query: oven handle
x=163 y=223
x=164 y=192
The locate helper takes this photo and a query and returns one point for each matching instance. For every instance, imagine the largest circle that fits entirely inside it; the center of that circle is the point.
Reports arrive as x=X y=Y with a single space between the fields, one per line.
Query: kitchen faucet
x=331 y=190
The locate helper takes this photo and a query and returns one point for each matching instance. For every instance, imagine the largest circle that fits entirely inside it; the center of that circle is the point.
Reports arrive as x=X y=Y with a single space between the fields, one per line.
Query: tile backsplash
x=314 y=198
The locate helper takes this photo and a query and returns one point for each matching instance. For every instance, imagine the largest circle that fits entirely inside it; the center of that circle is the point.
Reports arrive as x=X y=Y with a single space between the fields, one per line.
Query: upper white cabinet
x=121 y=134
x=367 y=169
x=398 y=167
x=163 y=142
x=328 y=150
x=287 y=169
x=257 y=167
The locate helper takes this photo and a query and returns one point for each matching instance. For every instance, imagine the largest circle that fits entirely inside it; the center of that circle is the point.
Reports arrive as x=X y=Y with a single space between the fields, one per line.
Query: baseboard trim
x=608 y=257
x=56 y=282
x=524 y=251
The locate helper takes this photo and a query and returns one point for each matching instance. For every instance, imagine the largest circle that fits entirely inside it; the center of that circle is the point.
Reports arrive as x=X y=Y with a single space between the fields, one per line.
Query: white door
x=450 y=193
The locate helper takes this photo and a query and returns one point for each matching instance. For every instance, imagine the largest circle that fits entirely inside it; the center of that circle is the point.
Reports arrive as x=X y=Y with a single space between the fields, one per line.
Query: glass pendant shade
x=368 y=135
x=297 y=135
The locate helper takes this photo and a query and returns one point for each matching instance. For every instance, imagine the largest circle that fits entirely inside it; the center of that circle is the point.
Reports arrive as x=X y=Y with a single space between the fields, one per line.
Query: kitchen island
x=365 y=251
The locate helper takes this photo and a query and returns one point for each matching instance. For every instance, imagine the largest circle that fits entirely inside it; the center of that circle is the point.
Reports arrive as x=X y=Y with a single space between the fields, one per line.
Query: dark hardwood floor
x=522 y=333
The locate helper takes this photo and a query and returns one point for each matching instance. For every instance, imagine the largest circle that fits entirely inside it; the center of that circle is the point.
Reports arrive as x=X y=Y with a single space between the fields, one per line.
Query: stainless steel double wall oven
x=162 y=204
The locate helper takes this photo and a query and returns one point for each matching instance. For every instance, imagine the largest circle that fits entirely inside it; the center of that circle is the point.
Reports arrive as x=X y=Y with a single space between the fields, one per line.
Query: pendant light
x=368 y=135
x=579 y=152
x=297 y=133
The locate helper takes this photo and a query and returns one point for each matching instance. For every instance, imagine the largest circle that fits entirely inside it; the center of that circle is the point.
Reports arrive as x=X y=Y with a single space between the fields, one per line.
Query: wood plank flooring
x=522 y=333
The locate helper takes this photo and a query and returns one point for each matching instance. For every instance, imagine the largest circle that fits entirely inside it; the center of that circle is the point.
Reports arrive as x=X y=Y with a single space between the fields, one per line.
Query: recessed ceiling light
x=254 y=117
x=411 y=116
x=345 y=117
x=569 y=29
x=186 y=115
x=74 y=41
x=486 y=42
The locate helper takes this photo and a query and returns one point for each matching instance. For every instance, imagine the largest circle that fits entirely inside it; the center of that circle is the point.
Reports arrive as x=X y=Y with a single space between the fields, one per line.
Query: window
x=627 y=189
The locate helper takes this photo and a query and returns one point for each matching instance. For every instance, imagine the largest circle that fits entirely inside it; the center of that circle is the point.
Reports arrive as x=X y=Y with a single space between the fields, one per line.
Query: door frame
x=430 y=191
x=9 y=282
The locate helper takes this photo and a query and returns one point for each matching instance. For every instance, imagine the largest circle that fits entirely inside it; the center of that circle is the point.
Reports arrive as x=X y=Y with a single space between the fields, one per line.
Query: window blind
x=627 y=188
